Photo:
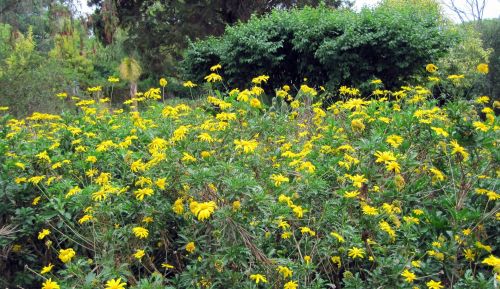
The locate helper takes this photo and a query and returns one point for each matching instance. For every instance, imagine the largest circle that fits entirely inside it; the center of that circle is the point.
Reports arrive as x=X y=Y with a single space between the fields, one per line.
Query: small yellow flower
x=291 y=285
x=213 y=77
x=307 y=259
x=43 y=233
x=190 y=247
x=65 y=255
x=258 y=278
x=285 y=271
x=49 y=284
x=140 y=232
x=409 y=276
x=115 y=284
x=189 y=84
x=236 y=205
x=483 y=68
x=216 y=67
x=163 y=82
x=431 y=68
x=434 y=284
x=356 y=252
x=46 y=269
x=139 y=254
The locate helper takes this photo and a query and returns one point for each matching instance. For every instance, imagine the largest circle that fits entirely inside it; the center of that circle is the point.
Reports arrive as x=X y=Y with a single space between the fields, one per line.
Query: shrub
x=226 y=192
x=391 y=42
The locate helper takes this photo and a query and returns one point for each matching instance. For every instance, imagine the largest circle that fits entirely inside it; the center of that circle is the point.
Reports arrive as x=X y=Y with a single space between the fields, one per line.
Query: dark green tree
x=159 y=30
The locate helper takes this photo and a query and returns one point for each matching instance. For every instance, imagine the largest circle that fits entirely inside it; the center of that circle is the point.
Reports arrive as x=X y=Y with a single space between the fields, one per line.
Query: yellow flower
x=307 y=259
x=236 y=205
x=434 y=284
x=338 y=237
x=141 y=193
x=298 y=211
x=163 y=82
x=178 y=206
x=469 y=255
x=394 y=140
x=115 y=284
x=286 y=235
x=139 y=254
x=336 y=260
x=205 y=137
x=258 y=278
x=189 y=84
x=279 y=179
x=43 y=233
x=85 y=218
x=36 y=201
x=291 y=285
x=482 y=99
x=213 y=77
x=204 y=210
x=357 y=125
x=255 y=102
x=161 y=183
x=492 y=261
x=248 y=146
x=483 y=68
x=140 y=232
x=65 y=255
x=356 y=252
x=216 y=67
x=358 y=180
x=285 y=271
x=351 y=194
x=113 y=79
x=260 y=79
x=49 y=284
x=190 y=247
x=385 y=157
x=307 y=230
x=431 y=68
x=457 y=149
x=393 y=167
x=369 y=210
x=47 y=269
x=409 y=276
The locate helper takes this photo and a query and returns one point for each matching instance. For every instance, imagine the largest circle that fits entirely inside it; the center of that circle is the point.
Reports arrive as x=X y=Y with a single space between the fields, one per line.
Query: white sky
x=491 y=10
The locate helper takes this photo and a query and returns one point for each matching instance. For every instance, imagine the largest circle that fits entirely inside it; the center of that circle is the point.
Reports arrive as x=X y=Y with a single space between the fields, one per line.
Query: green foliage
x=391 y=42
x=406 y=183
x=160 y=29
x=130 y=69
x=490 y=31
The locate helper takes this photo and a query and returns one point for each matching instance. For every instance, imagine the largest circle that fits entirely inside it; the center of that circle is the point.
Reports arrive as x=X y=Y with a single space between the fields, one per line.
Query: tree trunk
x=133 y=92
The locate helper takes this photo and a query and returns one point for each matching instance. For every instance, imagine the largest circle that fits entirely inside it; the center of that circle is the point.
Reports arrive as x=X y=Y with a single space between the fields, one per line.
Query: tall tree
x=159 y=29
x=468 y=10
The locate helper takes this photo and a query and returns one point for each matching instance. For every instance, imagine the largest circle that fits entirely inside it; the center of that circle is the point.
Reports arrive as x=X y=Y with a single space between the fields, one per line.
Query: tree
x=472 y=10
x=131 y=70
x=159 y=30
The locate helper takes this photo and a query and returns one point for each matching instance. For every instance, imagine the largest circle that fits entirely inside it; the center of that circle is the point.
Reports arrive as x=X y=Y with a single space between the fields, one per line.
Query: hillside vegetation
x=316 y=189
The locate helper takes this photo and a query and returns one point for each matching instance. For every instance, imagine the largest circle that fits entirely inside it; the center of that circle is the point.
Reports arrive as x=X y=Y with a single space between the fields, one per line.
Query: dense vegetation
x=300 y=148
x=227 y=192
x=391 y=42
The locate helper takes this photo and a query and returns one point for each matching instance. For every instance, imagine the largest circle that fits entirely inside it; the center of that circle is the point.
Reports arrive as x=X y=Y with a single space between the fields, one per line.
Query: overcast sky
x=492 y=9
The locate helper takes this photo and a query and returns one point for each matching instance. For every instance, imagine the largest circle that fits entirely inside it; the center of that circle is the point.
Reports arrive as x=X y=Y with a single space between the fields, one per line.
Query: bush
x=391 y=42
x=394 y=192
x=490 y=29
